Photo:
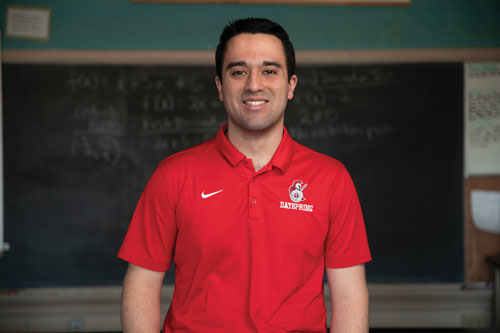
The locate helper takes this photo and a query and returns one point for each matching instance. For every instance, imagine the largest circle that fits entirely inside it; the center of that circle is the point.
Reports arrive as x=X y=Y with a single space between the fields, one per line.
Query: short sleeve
x=151 y=235
x=346 y=243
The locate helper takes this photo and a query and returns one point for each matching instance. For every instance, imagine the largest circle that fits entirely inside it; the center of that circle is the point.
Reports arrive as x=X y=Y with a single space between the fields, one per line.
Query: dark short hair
x=254 y=26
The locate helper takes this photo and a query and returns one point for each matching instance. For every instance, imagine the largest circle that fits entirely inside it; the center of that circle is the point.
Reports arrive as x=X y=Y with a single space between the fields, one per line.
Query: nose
x=254 y=82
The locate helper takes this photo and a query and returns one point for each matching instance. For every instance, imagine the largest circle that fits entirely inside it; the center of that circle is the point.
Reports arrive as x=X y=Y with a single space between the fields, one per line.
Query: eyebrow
x=244 y=64
x=272 y=63
x=236 y=63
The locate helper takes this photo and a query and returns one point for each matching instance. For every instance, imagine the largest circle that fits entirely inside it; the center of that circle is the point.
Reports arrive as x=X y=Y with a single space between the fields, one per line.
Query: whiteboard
x=482 y=119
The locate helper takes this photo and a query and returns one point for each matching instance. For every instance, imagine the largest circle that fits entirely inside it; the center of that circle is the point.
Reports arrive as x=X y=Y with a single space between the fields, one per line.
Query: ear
x=218 y=83
x=291 y=86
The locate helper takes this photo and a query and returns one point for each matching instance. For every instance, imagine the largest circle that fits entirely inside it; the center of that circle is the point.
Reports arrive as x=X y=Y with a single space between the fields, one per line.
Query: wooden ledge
x=207 y=57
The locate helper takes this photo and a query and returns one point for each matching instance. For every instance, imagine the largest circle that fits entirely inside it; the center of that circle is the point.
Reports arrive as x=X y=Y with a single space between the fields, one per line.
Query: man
x=250 y=217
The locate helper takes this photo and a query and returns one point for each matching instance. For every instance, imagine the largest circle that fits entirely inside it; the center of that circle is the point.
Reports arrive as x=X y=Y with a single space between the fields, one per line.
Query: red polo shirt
x=250 y=248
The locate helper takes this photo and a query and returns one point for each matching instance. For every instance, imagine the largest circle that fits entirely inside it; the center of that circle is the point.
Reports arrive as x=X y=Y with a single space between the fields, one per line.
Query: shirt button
x=254 y=201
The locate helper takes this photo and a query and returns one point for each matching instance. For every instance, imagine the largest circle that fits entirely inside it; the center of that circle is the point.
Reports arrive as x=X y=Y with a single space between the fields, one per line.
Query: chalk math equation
x=172 y=108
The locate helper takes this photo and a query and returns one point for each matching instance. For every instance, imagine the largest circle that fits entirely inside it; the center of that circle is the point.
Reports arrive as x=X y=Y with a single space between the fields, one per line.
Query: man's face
x=255 y=87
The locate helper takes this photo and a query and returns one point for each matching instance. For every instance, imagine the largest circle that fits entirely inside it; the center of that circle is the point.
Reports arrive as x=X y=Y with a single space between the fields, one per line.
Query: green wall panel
x=120 y=24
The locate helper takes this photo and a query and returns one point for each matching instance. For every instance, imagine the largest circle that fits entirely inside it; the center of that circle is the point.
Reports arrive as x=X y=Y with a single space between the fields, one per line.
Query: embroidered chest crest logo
x=295 y=191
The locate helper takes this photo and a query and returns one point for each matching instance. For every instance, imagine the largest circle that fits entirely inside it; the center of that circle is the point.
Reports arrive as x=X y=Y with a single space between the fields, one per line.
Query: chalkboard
x=82 y=140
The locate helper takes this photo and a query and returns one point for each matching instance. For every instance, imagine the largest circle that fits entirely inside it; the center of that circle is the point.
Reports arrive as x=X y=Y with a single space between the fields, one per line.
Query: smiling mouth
x=254 y=103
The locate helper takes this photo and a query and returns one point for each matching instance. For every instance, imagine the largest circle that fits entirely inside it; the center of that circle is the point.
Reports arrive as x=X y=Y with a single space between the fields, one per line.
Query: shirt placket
x=257 y=249
x=253 y=193
x=253 y=196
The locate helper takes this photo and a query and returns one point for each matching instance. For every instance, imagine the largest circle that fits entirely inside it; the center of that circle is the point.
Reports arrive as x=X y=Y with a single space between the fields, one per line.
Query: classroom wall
x=123 y=25
x=120 y=24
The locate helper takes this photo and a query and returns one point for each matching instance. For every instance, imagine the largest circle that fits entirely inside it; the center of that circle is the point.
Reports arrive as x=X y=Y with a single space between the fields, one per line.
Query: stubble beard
x=257 y=123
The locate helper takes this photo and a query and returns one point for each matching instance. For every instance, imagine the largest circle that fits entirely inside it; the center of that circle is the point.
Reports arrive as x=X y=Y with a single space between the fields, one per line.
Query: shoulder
x=174 y=172
x=186 y=162
x=324 y=171
x=316 y=160
x=186 y=158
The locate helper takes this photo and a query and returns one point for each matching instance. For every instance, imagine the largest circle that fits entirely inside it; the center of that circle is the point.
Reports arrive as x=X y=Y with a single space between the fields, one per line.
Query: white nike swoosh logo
x=204 y=196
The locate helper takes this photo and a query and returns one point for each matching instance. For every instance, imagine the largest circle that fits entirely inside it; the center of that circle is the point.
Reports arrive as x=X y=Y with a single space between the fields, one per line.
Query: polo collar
x=281 y=159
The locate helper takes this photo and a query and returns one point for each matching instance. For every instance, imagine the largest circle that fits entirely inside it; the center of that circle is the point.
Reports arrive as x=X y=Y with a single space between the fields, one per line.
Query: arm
x=349 y=297
x=140 y=310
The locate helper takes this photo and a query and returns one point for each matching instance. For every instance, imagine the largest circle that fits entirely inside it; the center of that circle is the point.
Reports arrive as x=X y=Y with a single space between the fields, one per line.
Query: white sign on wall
x=28 y=22
x=482 y=119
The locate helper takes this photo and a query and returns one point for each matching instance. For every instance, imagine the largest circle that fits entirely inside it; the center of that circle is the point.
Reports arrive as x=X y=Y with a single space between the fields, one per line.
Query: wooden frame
x=294 y=2
x=207 y=56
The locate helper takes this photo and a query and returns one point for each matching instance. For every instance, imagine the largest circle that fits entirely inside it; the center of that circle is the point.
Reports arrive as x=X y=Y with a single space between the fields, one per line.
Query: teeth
x=255 y=102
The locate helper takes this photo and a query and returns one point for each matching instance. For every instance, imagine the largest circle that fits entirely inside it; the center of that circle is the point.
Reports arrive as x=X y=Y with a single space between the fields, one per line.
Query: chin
x=259 y=126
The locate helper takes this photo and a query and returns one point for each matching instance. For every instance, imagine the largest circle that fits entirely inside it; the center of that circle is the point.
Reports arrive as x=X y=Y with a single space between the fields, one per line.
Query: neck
x=259 y=146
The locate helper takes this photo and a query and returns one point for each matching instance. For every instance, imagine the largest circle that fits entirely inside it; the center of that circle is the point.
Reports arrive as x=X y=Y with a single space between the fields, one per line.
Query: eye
x=237 y=73
x=270 y=71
